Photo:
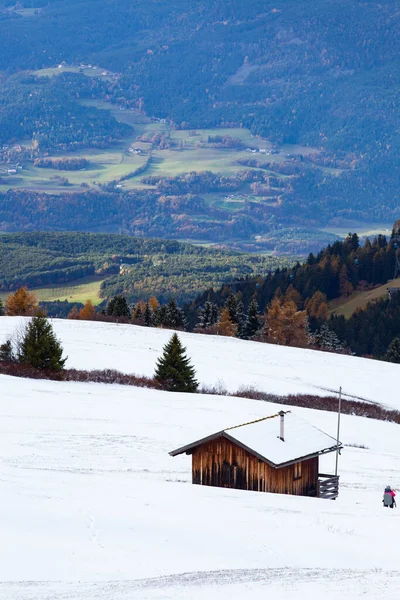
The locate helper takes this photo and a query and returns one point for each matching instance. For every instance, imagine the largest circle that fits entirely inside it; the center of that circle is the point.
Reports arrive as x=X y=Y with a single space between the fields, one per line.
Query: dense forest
x=295 y=71
x=45 y=111
x=149 y=280
x=303 y=292
x=137 y=267
x=147 y=212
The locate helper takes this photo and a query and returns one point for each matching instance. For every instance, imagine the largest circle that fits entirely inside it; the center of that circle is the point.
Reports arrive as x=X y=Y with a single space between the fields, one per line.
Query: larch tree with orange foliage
x=154 y=303
x=317 y=306
x=226 y=326
x=88 y=312
x=21 y=303
x=345 y=284
x=286 y=325
x=292 y=295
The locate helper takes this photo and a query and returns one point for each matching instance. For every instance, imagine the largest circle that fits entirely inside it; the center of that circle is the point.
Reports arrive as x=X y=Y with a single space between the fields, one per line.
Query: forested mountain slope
x=321 y=74
x=295 y=70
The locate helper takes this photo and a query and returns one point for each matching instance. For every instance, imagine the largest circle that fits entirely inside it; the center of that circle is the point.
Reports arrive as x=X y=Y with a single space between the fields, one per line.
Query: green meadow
x=87 y=288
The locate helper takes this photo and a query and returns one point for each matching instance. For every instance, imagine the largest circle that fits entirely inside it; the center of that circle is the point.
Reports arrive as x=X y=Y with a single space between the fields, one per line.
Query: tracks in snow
x=341 y=583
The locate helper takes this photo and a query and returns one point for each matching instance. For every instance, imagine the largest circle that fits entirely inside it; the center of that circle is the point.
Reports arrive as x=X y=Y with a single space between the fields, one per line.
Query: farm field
x=93 y=506
x=88 y=71
x=348 y=306
x=105 y=166
x=190 y=152
x=86 y=288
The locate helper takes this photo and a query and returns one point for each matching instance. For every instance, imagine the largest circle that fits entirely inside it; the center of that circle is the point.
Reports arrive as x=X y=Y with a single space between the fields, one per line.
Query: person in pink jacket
x=389 y=497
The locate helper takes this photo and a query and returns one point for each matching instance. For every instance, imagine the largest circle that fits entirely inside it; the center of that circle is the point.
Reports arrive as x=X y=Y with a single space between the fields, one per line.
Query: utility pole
x=338 y=430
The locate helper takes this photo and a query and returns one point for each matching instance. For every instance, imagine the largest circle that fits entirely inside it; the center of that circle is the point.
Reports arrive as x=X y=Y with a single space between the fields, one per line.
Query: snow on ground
x=93 y=507
x=228 y=361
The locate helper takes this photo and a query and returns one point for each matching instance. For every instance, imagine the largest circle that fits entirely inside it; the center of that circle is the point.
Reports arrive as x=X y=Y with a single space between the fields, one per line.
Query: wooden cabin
x=278 y=454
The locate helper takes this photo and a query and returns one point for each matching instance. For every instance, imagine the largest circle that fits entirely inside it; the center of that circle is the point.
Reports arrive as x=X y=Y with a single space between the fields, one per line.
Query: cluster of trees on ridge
x=289 y=306
x=283 y=322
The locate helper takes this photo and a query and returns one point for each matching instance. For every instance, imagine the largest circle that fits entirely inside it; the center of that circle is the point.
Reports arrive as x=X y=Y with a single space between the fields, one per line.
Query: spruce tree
x=118 y=307
x=241 y=319
x=1 y=308
x=175 y=317
x=6 y=352
x=393 y=353
x=173 y=370
x=40 y=347
x=148 y=315
x=327 y=339
x=204 y=315
x=160 y=316
x=231 y=305
x=137 y=312
x=252 y=321
x=214 y=314
x=208 y=315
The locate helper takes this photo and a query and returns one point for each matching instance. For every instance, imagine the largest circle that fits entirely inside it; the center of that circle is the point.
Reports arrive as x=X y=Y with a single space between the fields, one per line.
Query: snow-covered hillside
x=94 y=508
x=230 y=361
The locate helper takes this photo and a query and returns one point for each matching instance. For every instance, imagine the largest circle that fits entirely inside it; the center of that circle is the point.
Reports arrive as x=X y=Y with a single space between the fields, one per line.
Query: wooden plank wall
x=224 y=464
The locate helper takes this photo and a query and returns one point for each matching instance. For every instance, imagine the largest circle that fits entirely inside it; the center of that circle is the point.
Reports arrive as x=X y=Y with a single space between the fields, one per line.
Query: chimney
x=282 y=426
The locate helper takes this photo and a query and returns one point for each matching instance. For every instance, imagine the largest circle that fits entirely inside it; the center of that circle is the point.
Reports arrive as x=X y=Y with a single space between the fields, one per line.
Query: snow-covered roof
x=262 y=438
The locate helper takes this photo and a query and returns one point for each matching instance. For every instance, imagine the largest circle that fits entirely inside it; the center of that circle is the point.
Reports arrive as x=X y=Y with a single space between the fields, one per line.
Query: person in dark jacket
x=389 y=497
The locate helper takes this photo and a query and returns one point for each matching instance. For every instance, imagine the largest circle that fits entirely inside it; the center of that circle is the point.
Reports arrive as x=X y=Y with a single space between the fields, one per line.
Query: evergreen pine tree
x=214 y=314
x=148 y=315
x=6 y=352
x=1 y=308
x=208 y=315
x=160 y=316
x=118 y=307
x=327 y=339
x=175 y=317
x=393 y=353
x=40 y=347
x=173 y=370
x=241 y=319
x=252 y=321
x=137 y=312
x=231 y=305
x=204 y=315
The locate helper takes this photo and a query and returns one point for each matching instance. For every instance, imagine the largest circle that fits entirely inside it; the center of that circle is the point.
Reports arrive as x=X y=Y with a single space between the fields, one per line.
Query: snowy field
x=94 y=508
x=227 y=361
